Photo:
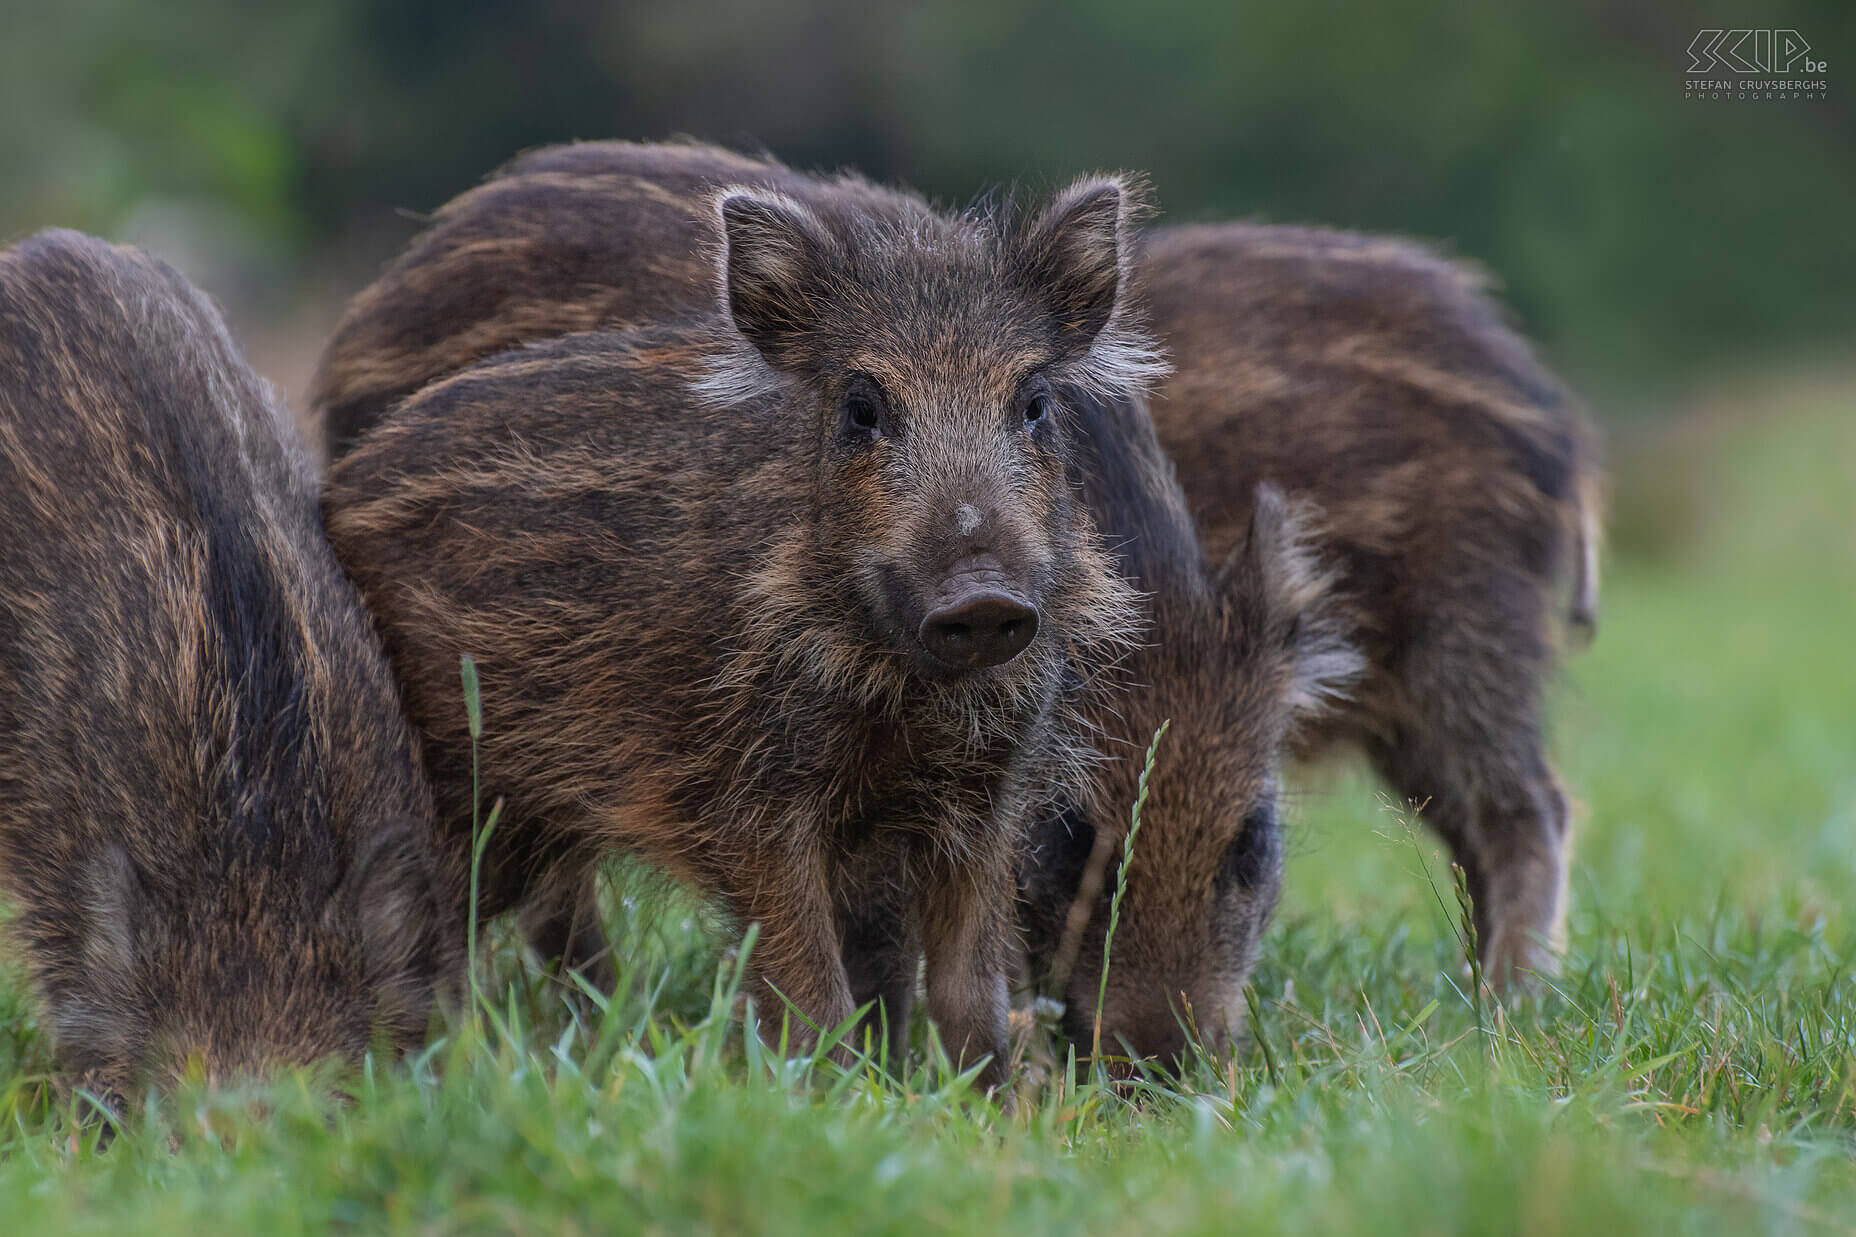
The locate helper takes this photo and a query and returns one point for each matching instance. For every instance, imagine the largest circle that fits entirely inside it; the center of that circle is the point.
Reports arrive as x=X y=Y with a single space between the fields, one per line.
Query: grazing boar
x=1456 y=488
x=1242 y=656
x=214 y=828
x=1237 y=655
x=793 y=597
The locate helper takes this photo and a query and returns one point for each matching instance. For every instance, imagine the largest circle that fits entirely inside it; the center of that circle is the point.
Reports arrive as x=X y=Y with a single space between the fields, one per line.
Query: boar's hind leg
x=1507 y=828
x=882 y=952
x=1468 y=752
x=562 y=925
x=964 y=935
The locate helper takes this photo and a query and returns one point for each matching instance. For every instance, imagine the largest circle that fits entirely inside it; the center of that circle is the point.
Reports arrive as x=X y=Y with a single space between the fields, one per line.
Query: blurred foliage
x=1642 y=236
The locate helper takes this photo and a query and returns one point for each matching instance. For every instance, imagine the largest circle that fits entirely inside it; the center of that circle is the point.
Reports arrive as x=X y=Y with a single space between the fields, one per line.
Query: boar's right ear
x=114 y=904
x=97 y=1023
x=390 y=893
x=774 y=263
x=1079 y=258
x=1280 y=604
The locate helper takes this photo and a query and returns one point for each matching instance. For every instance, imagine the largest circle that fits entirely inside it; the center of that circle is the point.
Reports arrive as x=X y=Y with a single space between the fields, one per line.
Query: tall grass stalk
x=1121 y=882
x=480 y=831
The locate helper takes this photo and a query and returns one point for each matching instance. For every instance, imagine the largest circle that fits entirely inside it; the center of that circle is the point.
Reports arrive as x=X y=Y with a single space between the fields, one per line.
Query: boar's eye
x=1251 y=855
x=863 y=406
x=1035 y=403
x=862 y=412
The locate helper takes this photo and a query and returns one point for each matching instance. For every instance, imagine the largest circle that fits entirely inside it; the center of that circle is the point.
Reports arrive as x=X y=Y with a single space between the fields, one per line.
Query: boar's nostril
x=980 y=629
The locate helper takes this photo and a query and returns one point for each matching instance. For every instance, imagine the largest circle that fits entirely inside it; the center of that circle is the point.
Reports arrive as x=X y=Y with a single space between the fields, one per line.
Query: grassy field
x=1693 y=1072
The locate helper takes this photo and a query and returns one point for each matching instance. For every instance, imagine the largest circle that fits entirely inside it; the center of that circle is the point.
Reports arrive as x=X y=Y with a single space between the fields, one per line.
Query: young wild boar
x=213 y=826
x=1456 y=486
x=613 y=232
x=561 y=240
x=791 y=599
x=1242 y=656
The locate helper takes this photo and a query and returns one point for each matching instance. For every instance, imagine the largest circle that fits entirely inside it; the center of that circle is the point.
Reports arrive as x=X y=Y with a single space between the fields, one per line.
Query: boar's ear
x=1280 y=604
x=113 y=908
x=390 y=894
x=1079 y=257
x=98 y=1022
x=775 y=260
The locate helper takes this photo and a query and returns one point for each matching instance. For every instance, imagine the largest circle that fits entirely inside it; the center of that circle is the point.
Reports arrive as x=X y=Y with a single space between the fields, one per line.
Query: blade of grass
x=1121 y=882
x=479 y=831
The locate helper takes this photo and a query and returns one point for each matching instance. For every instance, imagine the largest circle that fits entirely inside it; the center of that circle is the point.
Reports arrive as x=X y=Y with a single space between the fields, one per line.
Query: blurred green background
x=1650 y=242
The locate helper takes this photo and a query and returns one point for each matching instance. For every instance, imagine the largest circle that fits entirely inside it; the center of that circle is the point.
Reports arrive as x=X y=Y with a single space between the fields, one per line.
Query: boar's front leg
x=796 y=961
x=965 y=925
x=882 y=955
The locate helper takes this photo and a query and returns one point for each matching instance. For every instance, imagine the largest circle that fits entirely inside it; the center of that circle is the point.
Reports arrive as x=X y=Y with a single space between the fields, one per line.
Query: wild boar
x=793 y=597
x=1457 y=491
x=214 y=827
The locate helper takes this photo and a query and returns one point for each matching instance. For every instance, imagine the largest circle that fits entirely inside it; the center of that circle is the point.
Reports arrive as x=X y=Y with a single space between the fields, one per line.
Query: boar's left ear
x=1280 y=604
x=775 y=263
x=1079 y=257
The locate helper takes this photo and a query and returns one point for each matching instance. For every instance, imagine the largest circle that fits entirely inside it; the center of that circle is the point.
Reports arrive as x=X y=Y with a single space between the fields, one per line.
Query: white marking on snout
x=966 y=518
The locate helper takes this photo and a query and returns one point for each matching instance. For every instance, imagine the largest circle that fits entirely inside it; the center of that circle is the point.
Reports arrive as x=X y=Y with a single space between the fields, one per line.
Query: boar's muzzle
x=979 y=618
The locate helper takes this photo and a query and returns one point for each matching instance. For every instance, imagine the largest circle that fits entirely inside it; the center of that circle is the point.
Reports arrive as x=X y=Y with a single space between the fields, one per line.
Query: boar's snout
x=1157 y=1038
x=979 y=618
x=989 y=629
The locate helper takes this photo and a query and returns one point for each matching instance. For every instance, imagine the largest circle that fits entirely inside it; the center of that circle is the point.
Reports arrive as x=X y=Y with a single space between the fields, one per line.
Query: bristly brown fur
x=1456 y=487
x=620 y=233
x=695 y=617
x=213 y=823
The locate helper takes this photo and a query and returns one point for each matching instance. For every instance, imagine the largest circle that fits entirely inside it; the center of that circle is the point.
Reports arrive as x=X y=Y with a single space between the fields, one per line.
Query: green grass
x=1692 y=1073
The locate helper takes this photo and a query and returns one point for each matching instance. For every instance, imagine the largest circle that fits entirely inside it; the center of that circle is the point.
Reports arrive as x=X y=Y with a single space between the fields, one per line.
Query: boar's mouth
x=1162 y=1035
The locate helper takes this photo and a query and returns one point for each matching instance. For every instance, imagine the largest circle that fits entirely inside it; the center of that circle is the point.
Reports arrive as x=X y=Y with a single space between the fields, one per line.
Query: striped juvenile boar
x=213 y=826
x=1457 y=489
x=1239 y=652
x=1243 y=654
x=790 y=598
